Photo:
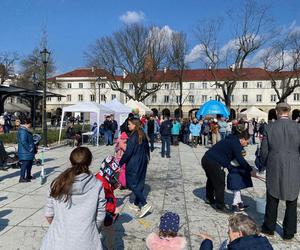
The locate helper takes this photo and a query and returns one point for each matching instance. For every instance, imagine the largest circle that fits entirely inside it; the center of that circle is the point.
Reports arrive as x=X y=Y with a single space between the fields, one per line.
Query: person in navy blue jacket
x=243 y=234
x=215 y=160
x=26 y=150
x=136 y=158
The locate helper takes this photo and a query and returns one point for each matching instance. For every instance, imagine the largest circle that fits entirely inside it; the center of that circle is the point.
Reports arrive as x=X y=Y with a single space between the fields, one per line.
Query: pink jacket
x=154 y=242
x=120 y=148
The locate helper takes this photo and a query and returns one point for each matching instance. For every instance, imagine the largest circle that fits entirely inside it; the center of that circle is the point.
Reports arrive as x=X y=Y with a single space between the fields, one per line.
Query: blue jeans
x=25 y=169
x=223 y=135
x=165 y=148
x=108 y=137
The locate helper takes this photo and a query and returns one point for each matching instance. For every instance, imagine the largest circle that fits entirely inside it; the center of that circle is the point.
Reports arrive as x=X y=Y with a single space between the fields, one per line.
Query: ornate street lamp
x=35 y=84
x=45 y=54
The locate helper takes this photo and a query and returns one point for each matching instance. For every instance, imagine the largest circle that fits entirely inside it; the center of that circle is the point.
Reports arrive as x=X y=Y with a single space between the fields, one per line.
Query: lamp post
x=45 y=54
x=35 y=83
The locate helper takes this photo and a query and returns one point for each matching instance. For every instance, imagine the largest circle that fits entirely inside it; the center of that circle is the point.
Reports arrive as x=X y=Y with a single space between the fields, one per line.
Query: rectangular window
x=80 y=85
x=245 y=98
x=48 y=99
x=102 y=98
x=245 y=85
x=131 y=86
x=296 y=82
x=92 y=98
x=69 y=85
x=92 y=85
x=59 y=98
x=258 y=98
x=191 y=98
x=102 y=85
x=178 y=86
x=166 y=99
x=204 y=98
x=204 y=85
x=113 y=96
x=154 y=86
x=178 y=99
x=80 y=98
x=296 y=97
x=69 y=98
x=232 y=98
x=154 y=99
x=167 y=86
x=273 y=98
x=259 y=85
x=217 y=97
x=192 y=85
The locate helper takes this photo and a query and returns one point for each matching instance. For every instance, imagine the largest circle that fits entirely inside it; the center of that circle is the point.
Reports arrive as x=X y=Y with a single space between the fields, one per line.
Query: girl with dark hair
x=136 y=158
x=75 y=208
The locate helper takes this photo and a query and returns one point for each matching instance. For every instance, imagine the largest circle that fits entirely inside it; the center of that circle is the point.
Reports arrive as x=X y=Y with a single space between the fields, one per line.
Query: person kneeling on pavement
x=243 y=234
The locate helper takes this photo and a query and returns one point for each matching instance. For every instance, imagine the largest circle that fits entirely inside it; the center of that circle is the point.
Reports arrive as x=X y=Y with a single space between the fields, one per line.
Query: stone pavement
x=176 y=184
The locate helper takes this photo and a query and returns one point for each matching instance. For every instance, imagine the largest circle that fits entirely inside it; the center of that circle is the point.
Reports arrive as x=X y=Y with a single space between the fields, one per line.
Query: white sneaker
x=133 y=207
x=144 y=210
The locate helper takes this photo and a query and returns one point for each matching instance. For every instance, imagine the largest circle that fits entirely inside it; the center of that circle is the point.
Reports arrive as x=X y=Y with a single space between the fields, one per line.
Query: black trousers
x=215 y=184
x=290 y=217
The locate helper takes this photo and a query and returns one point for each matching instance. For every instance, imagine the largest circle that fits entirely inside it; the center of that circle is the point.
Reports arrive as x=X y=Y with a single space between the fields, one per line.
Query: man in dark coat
x=216 y=160
x=108 y=130
x=243 y=235
x=165 y=132
x=280 y=153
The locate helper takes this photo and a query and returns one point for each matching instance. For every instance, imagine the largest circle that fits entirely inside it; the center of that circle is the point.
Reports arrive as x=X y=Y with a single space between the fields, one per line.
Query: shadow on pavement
x=4 y=222
x=11 y=175
x=3 y=198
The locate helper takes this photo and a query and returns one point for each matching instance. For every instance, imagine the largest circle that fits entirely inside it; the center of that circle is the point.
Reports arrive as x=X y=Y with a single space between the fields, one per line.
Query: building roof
x=191 y=75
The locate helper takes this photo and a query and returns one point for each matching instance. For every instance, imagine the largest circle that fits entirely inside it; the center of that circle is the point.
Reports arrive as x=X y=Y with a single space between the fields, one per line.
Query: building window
x=131 y=86
x=69 y=85
x=167 y=86
x=217 y=97
x=232 y=98
x=154 y=86
x=92 y=85
x=245 y=98
x=102 y=98
x=296 y=82
x=48 y=99
x=273 y=98
x=259 y=85
x=80 y=98
x=113 y=96
x=296 y=97
x=245 y=85
x=92 y=97
x=204 y=85
x=191 y=98
x=69 y=98
x=103 y=85
x=204 y=98
x=80 y=85
x=192 y=85
x=258 y=98
x=166 y=99
x=178 y=99
x=59 y=98
x=154 y=99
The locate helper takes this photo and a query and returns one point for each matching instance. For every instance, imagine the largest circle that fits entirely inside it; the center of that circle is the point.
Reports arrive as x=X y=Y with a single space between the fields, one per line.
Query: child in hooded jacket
x=120 y=148
x=167 y=239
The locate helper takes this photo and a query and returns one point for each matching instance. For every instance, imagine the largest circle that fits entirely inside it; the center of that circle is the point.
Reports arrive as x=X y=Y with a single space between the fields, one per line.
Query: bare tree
x=282 y=61
x=177 y=60
x=7 y=63
x=252 y=29
x=32 y=64
x=136 y=52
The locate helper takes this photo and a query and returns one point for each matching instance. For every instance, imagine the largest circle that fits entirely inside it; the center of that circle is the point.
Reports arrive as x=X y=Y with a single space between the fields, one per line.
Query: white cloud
x=195 y=54
x=131 y=17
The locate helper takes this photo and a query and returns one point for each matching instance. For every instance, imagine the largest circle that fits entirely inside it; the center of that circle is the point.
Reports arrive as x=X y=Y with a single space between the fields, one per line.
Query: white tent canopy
x=143 y=109
x=121 y=110
x=86 y=107
x=255 y=113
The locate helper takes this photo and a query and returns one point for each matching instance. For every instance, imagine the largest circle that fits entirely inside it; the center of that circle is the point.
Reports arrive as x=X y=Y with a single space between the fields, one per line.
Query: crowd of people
x=82 y=205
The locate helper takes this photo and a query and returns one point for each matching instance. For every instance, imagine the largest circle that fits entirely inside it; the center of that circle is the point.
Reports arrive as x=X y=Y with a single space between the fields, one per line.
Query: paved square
x=176 y=184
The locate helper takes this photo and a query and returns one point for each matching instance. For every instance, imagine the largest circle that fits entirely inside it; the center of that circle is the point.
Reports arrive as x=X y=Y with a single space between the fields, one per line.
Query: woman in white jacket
x=75 y=208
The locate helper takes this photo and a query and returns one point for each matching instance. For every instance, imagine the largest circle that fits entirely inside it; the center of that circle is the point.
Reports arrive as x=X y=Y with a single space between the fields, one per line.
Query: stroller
x=8 y=157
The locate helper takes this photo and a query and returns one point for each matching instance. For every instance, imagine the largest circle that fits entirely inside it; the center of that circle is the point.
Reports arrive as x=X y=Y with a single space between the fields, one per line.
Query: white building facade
x=254 y=89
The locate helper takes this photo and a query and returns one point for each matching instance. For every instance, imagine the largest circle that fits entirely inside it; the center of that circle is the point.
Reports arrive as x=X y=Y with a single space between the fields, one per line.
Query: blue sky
x=72 y=25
